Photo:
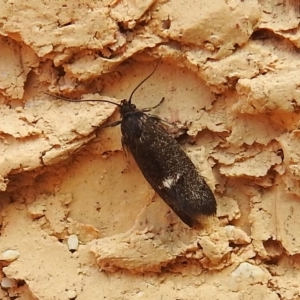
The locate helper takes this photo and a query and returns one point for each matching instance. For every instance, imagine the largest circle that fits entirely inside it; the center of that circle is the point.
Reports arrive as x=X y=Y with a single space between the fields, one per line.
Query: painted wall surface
x=77 y=218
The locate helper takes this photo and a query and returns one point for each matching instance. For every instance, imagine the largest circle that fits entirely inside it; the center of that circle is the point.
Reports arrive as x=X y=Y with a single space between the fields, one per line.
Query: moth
x=162 y=161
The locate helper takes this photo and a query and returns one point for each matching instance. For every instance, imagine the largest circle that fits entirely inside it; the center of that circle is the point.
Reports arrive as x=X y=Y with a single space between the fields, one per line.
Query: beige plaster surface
x=77 y=218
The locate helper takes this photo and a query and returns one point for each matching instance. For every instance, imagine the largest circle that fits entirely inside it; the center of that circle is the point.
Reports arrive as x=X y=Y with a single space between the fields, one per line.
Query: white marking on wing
x=170 y=181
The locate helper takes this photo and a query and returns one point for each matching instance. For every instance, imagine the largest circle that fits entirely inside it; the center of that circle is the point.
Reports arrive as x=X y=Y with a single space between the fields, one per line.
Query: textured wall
x=230 y=77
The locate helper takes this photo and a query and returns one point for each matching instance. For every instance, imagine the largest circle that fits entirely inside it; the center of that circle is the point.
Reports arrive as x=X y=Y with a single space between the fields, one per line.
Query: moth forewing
x=167 y=167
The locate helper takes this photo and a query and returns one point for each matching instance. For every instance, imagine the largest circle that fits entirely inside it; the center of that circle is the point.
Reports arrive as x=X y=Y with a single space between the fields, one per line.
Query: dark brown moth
x=164 y=164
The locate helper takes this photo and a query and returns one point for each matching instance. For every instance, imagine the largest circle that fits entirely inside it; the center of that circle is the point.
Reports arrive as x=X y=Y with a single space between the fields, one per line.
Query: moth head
x=126 y=107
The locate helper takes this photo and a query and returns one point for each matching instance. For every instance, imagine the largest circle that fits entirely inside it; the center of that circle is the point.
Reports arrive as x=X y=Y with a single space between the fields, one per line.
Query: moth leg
x=126 y=152
x=158 y=119
x=157 y=105
x=172 y=128
x=125 y=149
x=110 y=125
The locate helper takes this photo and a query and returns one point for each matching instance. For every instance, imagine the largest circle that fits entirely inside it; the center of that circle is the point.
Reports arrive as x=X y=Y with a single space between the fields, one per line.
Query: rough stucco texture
x=78 y=220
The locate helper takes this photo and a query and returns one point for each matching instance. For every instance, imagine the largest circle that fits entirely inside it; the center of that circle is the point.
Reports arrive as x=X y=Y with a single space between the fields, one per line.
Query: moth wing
x=171 y=198
x=187 y=209
x=168 y=169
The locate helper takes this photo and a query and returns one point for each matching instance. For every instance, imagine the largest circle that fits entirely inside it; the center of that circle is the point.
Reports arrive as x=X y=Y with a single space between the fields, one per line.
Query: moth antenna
x=82 y=100
x=129 y=101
